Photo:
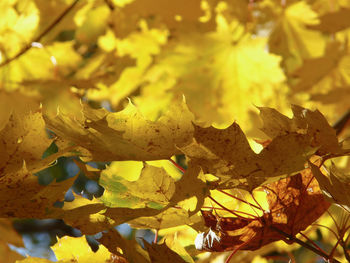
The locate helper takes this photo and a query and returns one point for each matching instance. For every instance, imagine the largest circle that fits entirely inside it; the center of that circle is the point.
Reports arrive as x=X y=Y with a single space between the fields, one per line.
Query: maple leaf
x=146 y=202
x=177 y=16
x=131 y=250
x=162 y=253
x=311 y=123
x=334 y=185
x=294 y=204
x=124 y=135
x=92 y=216
x=333 y=22
x=43 y=63
x=291 y=37
x=215 y=72
x=74 y=249
x=316 y=69
x=154 y=187
x=227 y=154
x=17 y=28
x=23 y=141
x=141 y=46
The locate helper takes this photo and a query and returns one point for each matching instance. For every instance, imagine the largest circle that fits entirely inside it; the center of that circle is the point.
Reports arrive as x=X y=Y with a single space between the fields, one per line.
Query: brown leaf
x=294 y=204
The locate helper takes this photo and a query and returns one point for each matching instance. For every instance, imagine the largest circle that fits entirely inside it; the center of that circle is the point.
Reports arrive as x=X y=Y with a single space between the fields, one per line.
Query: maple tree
x=220 y=126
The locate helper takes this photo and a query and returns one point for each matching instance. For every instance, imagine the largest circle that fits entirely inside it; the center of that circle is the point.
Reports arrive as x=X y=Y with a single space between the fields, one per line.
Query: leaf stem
x=155 y=241
x=235 y=213
x=239 y=199
x=177 y=166
x=305 y=245
x=39 y=37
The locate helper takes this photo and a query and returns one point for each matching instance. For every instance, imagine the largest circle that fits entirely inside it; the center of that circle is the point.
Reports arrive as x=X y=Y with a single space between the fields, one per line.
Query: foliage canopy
x=202 y=118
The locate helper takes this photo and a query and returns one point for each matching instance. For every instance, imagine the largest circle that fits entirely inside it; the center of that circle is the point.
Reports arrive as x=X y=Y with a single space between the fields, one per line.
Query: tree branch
x=38 y=38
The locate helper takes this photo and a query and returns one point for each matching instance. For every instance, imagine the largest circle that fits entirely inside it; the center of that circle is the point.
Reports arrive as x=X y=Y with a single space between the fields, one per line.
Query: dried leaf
x=294 y=204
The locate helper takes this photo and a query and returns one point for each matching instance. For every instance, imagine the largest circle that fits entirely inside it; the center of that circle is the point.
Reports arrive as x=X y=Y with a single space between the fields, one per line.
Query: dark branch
x=38 y=38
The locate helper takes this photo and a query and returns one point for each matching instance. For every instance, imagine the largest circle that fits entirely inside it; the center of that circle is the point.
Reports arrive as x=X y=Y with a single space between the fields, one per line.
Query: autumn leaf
x=124 y=135
x=227 y=154
x=333 y=22
x=333 y=184
x=218 y=72
x=162 y=253
x=105 y=83
x=176 y=15
x=311 y=123
x=294 y=204
x=292 y=39
x=131 y=250
x=156 y=186
x=23 y=142
x=314 y=70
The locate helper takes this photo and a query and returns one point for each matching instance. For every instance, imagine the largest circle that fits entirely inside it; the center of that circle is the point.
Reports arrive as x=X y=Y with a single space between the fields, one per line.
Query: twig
x=343 y=244
x=233 y=212
x=177 y=166
x=305 y=245
x=239 y=199
x=340 y=124
x=155 y=237
x=38 y=38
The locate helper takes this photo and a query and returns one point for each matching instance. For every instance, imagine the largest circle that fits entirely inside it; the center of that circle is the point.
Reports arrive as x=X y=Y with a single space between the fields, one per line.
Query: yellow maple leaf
x=220 y=73
x=292 y=39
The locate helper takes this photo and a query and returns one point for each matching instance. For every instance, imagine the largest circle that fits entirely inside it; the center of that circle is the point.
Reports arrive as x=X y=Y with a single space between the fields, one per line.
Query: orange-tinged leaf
x=294 y=204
